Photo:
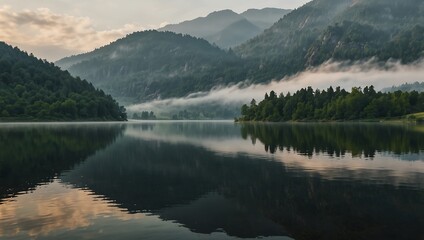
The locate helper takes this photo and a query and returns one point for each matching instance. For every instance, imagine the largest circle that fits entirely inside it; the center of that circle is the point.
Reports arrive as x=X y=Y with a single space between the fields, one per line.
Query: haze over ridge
x=48 y=28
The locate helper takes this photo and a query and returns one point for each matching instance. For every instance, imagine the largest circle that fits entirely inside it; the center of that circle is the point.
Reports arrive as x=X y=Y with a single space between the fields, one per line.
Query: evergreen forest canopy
x=309 y=105
x=32 y=89
x=150 y=65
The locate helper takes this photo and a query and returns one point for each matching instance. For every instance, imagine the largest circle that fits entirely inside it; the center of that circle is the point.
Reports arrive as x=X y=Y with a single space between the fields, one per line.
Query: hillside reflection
x=34 y=154
x=336 y=139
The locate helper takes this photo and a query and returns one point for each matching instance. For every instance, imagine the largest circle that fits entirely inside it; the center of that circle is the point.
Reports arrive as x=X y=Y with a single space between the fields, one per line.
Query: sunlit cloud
x=51 y=35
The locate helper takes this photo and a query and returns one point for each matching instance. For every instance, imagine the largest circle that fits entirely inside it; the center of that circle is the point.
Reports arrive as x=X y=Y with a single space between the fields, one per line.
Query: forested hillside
x=149 y=65
x=32 y=89
x=339 y=30
x=330 y=104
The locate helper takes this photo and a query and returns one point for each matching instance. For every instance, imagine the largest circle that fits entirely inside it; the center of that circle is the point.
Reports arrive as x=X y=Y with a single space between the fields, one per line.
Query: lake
x=211 y=180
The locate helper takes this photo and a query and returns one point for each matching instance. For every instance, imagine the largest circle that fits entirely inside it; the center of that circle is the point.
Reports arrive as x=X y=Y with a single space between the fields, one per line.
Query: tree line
x=333 y=104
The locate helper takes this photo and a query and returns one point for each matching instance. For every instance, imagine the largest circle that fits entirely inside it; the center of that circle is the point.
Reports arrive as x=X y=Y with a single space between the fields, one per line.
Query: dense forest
x=308 y=105
x=33 y=90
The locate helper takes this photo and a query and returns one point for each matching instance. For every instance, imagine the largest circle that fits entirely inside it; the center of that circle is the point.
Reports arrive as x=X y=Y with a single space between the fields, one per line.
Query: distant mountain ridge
x=228 y=29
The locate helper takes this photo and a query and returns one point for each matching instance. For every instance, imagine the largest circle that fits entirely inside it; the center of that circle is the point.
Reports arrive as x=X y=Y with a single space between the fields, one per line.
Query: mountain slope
x=227 y=28
x=150 y=65
x=235 y=34
x=340 y=30
x=33 y=89
x=264 y=18
x=205 y=26
x=298 y=28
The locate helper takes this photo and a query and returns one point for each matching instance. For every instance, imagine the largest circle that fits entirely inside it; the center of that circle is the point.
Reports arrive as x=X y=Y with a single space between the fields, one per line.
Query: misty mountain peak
x=218 y=23
x=223 y=13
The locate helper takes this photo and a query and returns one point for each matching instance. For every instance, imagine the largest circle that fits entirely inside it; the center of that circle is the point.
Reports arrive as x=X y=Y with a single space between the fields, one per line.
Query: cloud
x=343 y=74
x=41 y=29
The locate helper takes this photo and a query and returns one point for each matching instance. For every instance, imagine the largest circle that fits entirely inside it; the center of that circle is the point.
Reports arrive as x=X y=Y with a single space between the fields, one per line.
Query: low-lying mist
x=343 y=74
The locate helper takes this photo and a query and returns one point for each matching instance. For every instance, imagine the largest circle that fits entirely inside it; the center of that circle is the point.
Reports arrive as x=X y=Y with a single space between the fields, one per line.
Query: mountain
x=264 y=18
x=235 y=34
x=317 y=21
x=151 y=65
x=205 y=26
x=228 y=29
x=33 y=89
x=340 y=30
x=298 y=28
x=156 y=65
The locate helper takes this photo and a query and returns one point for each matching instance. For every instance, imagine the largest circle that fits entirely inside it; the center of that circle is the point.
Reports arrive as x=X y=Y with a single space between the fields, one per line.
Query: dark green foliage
x=330 y=104
x=33 y=89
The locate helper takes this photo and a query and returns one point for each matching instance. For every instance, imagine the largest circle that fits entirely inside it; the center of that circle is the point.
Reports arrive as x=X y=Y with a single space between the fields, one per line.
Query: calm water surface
x=211 y=180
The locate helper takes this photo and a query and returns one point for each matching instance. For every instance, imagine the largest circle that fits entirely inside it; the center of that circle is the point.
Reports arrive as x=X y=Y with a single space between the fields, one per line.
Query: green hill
x=33 y=90
x=150 y=65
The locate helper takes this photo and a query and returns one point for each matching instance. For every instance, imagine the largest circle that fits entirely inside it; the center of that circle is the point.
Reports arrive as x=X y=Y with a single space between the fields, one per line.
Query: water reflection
x=35 y=154
x=336 y=139
x=216 y=180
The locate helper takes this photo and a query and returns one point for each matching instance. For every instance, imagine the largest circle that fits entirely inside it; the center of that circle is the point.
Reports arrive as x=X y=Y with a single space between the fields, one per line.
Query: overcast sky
x=53 y=29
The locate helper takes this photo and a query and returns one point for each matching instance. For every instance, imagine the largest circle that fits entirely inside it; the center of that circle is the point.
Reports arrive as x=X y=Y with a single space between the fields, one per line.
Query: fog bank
x=343 y=74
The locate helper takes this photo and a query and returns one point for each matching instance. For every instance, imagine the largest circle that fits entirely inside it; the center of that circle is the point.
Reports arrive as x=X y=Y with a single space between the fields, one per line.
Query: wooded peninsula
x=333 y=105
